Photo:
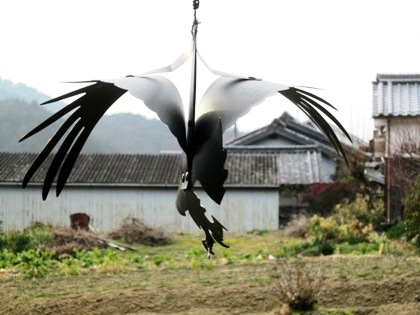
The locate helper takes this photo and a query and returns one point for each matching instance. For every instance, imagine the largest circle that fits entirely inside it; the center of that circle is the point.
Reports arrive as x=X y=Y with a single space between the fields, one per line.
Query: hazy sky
x=338 y=46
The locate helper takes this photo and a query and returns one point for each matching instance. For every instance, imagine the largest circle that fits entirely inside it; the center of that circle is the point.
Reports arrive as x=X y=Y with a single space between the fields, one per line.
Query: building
x=304 y=154
x=111 y=187
x=396 y=114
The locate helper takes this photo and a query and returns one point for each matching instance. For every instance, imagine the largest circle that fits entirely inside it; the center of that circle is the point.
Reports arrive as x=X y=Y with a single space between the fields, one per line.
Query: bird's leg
x=208 y=243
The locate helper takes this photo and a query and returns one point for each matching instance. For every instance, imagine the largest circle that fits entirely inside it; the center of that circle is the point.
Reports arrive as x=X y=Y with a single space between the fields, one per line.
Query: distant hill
x=10 y=90
x=118 y=133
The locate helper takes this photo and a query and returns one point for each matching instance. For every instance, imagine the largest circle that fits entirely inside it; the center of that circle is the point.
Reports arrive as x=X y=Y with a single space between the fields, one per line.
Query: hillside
x=118 y=133
x=10 y=90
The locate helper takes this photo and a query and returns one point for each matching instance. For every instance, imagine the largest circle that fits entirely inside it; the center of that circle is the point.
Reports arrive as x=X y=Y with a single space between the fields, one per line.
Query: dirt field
x=354 y=285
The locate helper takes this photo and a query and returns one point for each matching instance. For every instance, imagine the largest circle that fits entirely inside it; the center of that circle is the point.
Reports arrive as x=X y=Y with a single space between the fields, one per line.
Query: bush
x=323 y=229
x=7 y=259
x=322 y=197
x=315 y=248
x=297 y=285
x=30 y=238
x=397 y=231
x=412 y=211
x=362 y=210
x=351 y=222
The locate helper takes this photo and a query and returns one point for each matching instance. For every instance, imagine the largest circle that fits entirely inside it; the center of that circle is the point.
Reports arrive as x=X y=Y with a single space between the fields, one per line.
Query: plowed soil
x=360 y=285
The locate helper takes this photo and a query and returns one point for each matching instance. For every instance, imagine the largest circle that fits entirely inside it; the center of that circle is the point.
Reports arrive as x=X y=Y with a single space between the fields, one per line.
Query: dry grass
x=297 y=227
x=297 y=285
x=66 y=240
x=133 y=230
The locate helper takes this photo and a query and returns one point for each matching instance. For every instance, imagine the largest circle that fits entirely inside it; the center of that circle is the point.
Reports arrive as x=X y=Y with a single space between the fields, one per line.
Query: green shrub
x=315 y=248
x=34 y=263
x=351 y=222
x=362 y=210
x=19 y=241
x=7 y=259
x=15 y=242
x=398 y=231
x=412 y=211
x=355 y=232
x=323 y=229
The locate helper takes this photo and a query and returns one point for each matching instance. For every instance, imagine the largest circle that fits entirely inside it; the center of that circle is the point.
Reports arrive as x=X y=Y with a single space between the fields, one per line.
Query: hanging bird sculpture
x=200 y=138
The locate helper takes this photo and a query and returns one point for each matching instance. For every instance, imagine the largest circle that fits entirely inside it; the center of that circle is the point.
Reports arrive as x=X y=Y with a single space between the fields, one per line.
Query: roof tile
x=396 y=95
x=140 y=169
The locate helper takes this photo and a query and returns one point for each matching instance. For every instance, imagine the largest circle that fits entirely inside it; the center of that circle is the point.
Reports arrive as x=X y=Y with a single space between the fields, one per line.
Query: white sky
x=336 y=45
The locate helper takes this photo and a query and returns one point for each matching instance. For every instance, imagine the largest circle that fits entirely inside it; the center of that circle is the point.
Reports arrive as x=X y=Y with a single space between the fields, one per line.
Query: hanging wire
x=196 y=4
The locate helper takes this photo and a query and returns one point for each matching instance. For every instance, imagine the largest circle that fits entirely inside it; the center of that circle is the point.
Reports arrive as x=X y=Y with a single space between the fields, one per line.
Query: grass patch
x=178 y=276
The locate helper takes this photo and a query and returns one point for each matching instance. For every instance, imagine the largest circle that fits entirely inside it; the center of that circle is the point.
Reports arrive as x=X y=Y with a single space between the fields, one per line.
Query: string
x=196 y=4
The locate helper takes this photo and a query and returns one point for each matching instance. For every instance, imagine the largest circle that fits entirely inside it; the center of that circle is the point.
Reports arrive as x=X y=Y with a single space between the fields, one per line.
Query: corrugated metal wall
x=241 y=210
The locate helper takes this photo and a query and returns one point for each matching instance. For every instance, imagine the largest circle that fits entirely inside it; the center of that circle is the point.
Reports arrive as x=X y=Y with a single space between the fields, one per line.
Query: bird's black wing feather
x=89 y=108
x=157 y=93
x=307 y=102
x=230 y=98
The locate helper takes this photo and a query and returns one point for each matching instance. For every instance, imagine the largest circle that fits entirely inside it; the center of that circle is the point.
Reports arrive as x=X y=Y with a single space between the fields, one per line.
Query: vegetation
x=19 y=241
x=412 y=212
x=350 y=229
x=40 y=251
x=258 y=274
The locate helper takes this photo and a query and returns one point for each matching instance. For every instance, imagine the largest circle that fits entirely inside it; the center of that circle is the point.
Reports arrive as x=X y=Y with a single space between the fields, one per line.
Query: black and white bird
x=199 y=134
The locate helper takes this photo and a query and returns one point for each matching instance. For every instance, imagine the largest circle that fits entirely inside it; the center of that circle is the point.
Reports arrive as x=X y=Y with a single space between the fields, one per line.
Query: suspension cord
x=191 y=115
x=196 y=5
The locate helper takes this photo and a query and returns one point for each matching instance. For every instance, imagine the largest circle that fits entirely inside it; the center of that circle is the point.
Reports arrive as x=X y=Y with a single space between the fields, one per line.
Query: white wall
x=404 y=131
x=241 y=210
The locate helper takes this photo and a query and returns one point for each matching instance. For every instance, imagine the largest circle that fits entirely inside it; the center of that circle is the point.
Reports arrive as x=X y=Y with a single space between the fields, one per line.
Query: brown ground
x=362 y=285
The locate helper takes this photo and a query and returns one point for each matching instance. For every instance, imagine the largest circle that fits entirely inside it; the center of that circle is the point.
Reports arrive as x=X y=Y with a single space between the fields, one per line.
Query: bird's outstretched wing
x=230 y=98
x=158 y=93
x=188 y=201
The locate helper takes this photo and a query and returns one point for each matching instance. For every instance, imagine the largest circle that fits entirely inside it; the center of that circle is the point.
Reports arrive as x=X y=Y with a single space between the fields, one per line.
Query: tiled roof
x=297 y=164
x=141 y=169
x=245 y=169
x=300 y=167
x=396 y=95
x=289 y=128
